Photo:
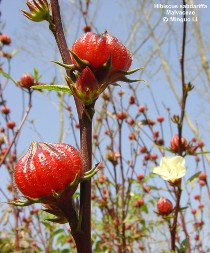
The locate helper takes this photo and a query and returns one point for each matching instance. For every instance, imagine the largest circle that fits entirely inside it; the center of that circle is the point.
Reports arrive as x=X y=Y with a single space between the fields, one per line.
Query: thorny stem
x=178 y=190
x=82 y=237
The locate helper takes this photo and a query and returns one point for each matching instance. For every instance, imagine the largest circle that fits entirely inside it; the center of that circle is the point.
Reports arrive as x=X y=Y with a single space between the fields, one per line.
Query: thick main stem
x=85 y=187
x=83 y=236
x=176 y=212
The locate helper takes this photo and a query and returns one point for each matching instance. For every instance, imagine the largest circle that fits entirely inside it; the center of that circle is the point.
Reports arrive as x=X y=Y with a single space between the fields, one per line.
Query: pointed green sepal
x=127 y=80
x=56 y=194
x=66 y=66
x=20 y=202
x=108 y=64
x=90 y=173
x=131 y=71
x=26 y=202
x=60 y=220
x=82 y=63
x=52 y=211
x=116 y=84
x=74 y=183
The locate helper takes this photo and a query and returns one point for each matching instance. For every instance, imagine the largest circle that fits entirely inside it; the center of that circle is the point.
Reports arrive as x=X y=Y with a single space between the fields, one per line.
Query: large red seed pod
x=47 y=168
x=97 y=49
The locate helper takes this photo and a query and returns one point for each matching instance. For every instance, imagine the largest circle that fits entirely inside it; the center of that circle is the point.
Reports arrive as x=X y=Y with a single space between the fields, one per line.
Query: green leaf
x=65 y=251
x=60 y=239
x=202 y=153
x=36 y=75
x=59 y=88
x=163 y=148
x=8 y=77
x=183 y=208
x=184 y=245
x=192 y=178
x=144 y=208
x=130 y=218
x=58 y=231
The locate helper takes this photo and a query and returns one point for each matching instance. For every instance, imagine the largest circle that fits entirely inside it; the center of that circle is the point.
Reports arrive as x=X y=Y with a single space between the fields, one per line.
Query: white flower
x=171 y=168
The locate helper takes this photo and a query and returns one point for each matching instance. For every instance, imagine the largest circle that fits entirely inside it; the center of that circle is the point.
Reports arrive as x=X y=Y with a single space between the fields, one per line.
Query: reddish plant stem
x=184 y=91
x=178 y=193
x=85 y=187
x=123 y=245
x=186 y=232
x=17 y=237
x=178 y=190
x=83 y=235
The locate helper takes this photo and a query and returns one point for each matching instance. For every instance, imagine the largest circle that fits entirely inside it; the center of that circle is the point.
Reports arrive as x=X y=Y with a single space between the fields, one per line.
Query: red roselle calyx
x=5 y=39
x=26 y=81
x=164 y=206
x=47 y=169
x=176 y=146
x=103 y=59
x=86 y=86
x=96 y=49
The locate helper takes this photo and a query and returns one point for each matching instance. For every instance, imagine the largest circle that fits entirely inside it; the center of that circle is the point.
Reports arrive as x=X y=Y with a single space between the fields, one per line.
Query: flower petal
x=171 y=168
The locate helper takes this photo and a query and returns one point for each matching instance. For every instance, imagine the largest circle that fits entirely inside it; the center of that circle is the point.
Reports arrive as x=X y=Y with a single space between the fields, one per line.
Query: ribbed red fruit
x=97 y=48
x=164 y=206
x=47 y=167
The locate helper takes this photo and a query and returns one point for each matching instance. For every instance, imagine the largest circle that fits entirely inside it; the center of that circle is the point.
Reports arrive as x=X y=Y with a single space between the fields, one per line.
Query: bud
x=175 y=144
x=5 y=39
x=140 y=176
x=11 y=124
x=140 y=202
x=200 y=144
x=26 y=81
x=202 y=176
x=39 y=10
x=164 y=206
x=197 y=196
x=87 y=28
x=189 y=87
x=141 y=108
x=5 y=110
x=160 y=119
x=86 y=87
x=202 y=183
x=132 y=100
x=175 y=119
x=122 y=115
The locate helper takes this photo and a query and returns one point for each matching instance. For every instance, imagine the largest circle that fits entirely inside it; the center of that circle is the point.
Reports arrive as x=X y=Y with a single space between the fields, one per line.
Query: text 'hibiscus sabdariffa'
x=171 y=168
